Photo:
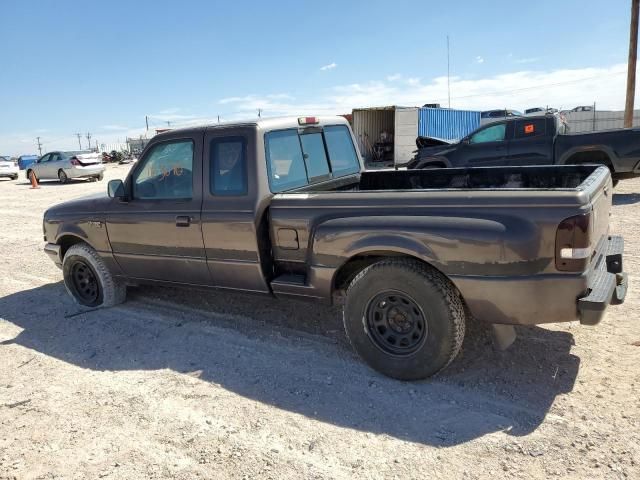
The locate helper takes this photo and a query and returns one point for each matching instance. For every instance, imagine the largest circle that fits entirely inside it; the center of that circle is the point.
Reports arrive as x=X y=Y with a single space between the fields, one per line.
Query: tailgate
x=601 y=201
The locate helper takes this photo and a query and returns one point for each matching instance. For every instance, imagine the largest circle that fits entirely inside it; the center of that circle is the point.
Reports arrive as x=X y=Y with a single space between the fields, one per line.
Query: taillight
x=75 y=162
x=573 y=243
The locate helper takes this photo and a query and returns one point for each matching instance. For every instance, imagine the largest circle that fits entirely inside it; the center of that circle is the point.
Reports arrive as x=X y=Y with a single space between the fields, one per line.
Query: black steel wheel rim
x=396 y=323
x=85 y=282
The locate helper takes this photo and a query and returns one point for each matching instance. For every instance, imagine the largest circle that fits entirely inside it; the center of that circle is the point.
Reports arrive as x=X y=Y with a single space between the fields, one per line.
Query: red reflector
x=529 y=128
x=308 y=120
x=75 y=161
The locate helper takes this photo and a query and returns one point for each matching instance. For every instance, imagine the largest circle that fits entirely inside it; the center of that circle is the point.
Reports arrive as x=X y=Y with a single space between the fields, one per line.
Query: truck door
x=487 y=146
x=531 y=144
x=234 y=223
x=157 y=233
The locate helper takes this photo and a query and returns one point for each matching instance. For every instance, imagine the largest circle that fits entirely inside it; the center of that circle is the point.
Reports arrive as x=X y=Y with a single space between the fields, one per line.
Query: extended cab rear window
x=296 y=158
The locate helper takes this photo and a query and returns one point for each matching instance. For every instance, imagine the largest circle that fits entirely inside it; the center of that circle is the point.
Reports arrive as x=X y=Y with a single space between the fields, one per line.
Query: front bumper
x=607 y=285
x=5 y=172
x=54 y=253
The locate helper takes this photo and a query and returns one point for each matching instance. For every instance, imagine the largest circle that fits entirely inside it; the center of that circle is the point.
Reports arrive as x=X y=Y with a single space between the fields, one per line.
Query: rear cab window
x=296 y=158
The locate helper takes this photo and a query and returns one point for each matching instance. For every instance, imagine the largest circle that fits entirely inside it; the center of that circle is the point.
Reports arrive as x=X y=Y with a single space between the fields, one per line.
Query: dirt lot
x=183 y=384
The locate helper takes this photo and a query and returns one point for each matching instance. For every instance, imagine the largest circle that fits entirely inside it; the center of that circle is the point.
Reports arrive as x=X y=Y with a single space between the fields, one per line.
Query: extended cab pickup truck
x=282 y=207
x=540 y=140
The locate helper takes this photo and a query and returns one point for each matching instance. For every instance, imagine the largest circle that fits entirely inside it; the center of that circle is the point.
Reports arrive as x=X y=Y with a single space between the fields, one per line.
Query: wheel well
x=347 y=272
x=594 y=156
x=68 y=241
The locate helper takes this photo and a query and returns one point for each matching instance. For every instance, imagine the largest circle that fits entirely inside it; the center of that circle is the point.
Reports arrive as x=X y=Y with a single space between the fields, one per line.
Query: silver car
x=63 y=166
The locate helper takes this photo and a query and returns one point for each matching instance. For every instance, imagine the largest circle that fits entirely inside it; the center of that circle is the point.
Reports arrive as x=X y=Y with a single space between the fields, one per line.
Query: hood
x=96 y=203
x=436 y=150
x=422 y=142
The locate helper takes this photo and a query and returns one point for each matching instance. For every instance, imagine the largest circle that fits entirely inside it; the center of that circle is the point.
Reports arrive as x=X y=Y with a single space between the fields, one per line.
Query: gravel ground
x=205 y=384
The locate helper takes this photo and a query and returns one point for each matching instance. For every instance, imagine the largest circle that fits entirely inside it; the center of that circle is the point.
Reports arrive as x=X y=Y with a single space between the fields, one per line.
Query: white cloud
x=330 y=66
x=563 y=88
x=479 y=59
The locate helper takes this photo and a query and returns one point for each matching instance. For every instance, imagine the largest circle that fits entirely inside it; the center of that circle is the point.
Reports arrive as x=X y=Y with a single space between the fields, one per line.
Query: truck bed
x=534 y=177
x=481 y=227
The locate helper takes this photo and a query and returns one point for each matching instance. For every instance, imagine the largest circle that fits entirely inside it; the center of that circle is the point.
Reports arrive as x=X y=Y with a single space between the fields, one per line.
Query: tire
x=83 y=262
x=62 y=176
x=15 y=177
x=100 y=177
x=29 y=172
x=392 y=297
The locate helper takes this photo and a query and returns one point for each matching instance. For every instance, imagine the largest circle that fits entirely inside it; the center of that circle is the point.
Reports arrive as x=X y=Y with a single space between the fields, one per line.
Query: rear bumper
x=549 y=298
x=9 y=172
x=54 y=253
x=607 y=285
x=81 y=172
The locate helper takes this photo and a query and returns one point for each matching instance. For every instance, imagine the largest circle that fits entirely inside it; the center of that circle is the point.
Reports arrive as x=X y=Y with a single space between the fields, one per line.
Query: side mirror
x=115 y=189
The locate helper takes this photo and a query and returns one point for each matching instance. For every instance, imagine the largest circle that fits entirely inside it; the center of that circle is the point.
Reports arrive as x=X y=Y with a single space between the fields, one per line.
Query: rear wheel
x=15 y=177
x=88 y=279
x=100 y=177
x=405 y=319
x=62 y=176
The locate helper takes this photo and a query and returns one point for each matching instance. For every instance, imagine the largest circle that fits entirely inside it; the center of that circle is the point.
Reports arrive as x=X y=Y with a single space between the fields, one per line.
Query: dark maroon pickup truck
x=282 y=207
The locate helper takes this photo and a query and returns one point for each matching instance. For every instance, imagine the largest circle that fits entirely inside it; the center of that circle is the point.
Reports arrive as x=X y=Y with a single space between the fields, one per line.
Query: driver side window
x=166 y=172
x=495 y=133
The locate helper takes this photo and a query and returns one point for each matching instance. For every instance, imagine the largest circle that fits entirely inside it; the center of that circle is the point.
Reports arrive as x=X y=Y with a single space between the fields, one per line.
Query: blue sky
x=78 y=66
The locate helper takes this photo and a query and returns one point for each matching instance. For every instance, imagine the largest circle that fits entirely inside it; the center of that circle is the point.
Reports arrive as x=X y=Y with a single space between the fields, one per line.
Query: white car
x=8 y=168
x=63 y=166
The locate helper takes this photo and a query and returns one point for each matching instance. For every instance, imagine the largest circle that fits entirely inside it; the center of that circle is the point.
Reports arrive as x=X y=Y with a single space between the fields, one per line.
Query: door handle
x=183 y=221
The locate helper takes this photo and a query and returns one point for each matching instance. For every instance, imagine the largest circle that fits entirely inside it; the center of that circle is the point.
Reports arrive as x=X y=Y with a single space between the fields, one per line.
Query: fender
x=606 y=149
x=425 y=162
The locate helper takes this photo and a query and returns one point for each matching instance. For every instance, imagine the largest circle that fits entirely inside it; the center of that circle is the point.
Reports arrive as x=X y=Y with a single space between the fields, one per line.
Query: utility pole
x=259 y=113
x=79 y=143
x=39 y=146
x=146 y=120
x=88 y=140
x=168 y=123
x=631 y=65
x=448 y=75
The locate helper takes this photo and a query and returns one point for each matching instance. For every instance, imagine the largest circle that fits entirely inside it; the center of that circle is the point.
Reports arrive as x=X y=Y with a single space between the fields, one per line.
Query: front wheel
x=405 y=319
x=88 y=280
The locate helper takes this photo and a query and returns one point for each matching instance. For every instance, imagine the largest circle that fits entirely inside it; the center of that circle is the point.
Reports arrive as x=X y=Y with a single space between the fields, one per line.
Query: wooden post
x=631 y=65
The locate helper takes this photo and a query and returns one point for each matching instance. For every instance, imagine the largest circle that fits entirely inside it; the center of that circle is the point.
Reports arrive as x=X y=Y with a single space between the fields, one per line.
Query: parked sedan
x=63 y=166
x=8 y=168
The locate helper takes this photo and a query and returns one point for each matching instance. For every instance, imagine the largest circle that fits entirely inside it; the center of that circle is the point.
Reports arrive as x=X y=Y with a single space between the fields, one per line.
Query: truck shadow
x=626 y=198
x=247 y=345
